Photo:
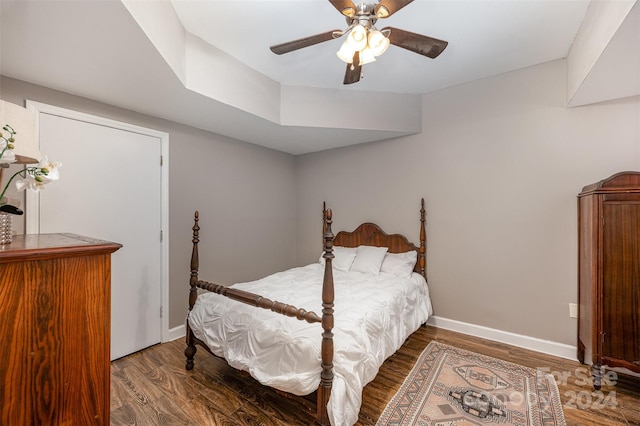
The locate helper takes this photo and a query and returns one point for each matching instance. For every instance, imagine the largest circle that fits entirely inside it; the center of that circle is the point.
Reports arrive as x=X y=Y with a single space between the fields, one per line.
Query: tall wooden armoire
x=609 y=274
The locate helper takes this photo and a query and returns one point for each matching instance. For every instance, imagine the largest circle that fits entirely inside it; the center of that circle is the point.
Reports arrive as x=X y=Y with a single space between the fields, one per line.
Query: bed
x=319 y=332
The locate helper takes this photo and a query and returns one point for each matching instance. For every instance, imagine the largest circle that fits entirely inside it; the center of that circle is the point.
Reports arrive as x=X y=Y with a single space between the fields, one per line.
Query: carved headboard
x=370 y=234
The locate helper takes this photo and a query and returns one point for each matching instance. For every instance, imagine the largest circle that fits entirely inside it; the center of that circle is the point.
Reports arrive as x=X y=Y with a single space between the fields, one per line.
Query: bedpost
x=423 y=239
x=326 y=377
x=324 y=220
x=195 y=261
x=190 y=350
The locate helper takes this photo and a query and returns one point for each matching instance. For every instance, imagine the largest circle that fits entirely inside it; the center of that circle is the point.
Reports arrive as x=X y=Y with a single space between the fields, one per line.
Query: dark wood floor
x=152 y=387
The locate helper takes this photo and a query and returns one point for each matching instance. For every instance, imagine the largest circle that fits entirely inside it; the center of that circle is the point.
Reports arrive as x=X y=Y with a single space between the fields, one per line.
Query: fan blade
x=290 y=46
x=346 y=7
x=423 y=45
x=386 y=8
x=354 y=70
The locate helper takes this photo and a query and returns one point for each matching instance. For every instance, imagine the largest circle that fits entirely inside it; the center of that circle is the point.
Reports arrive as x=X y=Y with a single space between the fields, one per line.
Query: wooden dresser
x=609 y=274
x=54 y=330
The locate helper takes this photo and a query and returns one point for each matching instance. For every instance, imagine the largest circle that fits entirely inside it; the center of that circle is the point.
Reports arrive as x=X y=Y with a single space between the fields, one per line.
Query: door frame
x=32 y=199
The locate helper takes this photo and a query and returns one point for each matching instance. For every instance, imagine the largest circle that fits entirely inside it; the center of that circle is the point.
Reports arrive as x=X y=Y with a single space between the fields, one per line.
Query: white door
x=110 y=188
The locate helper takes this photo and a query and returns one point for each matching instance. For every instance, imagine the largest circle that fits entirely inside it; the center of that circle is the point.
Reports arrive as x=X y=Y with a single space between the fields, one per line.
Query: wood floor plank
x=119 y=391
x=131 y=415
x=153 y=388
x=135 y=390
x=202 y=413
x=224 y=399
x=161 y=412
x=167 y=412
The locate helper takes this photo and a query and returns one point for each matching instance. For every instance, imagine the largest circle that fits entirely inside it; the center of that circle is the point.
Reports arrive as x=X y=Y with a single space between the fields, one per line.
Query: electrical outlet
x=573 y=310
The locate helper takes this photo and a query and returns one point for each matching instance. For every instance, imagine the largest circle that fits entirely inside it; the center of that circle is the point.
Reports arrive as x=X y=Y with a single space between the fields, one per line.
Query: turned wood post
x=324 y=221
x=190 y=350
x=195 y=261
x=326 y=377
x=423 y=240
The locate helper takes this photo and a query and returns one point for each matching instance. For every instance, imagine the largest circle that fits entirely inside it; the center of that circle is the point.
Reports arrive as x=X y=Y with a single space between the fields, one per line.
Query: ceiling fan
x=364 y=42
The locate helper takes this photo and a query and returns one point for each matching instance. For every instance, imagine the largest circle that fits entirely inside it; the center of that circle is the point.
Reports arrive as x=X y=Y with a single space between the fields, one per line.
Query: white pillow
x=369 y=259
x=343 y=257
x=400 y=264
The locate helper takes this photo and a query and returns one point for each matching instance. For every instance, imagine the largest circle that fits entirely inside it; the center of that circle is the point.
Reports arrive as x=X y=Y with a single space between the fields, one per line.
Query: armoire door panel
x=621 y=281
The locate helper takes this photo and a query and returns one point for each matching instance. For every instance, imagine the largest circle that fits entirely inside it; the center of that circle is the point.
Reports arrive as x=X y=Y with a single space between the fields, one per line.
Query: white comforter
x=374 y=314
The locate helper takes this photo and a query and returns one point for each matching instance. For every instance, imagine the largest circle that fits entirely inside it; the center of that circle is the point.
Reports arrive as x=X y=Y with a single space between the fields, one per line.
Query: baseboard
x=545 y=346
x=176 y=333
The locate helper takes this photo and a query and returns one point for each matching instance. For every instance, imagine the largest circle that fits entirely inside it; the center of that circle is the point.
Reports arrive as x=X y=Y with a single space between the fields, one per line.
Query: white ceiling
x=96 y=49
x=485 y=38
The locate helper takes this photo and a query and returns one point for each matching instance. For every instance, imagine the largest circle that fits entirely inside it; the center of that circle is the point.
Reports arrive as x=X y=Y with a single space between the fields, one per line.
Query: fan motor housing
x=365 y=16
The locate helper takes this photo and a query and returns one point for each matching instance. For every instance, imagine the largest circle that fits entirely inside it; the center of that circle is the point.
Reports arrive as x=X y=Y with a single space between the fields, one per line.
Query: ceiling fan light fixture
x=357 y=37
x=346 y=52
x=366 y=56
x=348 y=12
x=377 y=42
x=382 y=11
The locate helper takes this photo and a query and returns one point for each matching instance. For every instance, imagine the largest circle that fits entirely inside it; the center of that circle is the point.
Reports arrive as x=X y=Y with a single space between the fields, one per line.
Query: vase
x=5 y=228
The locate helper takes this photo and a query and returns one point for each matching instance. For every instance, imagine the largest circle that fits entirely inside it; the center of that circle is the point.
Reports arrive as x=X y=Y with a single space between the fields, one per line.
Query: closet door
x=110 y=188
x=621 y=280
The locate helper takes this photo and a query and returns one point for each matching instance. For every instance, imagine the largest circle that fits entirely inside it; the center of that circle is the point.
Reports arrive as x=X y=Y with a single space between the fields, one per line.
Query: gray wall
x=245 y=195
x=500 y=162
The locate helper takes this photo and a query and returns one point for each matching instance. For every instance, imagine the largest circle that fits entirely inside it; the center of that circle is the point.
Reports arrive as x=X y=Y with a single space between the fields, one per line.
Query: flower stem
x=6 y=146
x=9 y=181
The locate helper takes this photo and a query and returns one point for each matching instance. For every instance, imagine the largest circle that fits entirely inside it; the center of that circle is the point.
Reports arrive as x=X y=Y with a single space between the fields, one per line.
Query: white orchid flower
x=49 y=170
x=36 y=178
x=6 y=152
x=30 y=182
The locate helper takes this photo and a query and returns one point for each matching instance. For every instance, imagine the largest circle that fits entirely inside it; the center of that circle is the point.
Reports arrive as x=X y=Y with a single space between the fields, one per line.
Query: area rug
x=455 y=387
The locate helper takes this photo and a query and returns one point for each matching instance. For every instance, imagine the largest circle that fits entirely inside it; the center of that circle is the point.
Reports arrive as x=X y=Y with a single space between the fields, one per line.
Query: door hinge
x=161 y=311
x=161 y=236
x=602 y=336
x=161 y=161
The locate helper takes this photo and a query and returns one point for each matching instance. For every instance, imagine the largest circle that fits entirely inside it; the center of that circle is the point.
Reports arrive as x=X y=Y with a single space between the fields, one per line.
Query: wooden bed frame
x=366 y=234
